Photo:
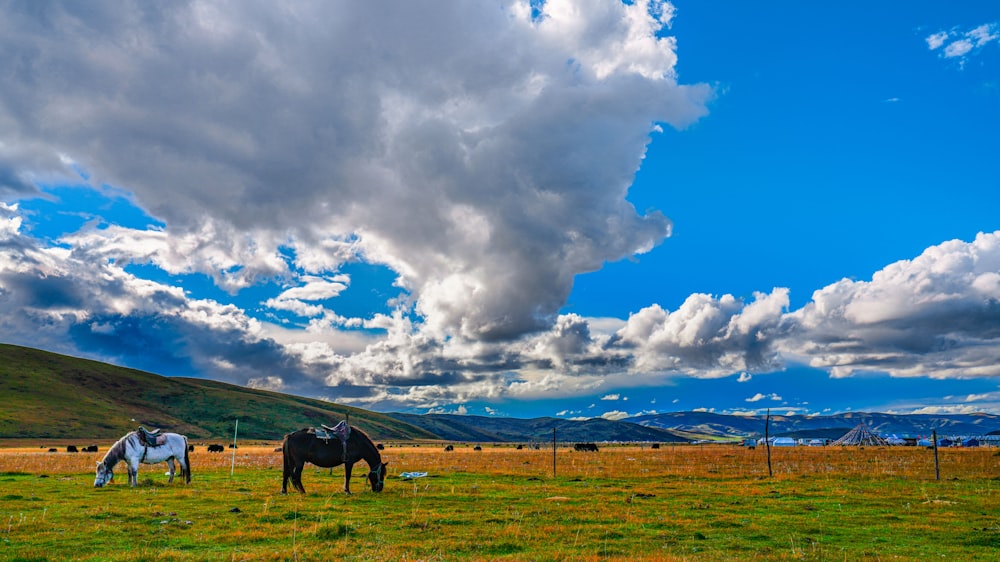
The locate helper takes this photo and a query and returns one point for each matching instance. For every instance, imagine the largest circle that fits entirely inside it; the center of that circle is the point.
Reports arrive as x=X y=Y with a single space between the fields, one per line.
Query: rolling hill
x=49 y=395
x=46 y=395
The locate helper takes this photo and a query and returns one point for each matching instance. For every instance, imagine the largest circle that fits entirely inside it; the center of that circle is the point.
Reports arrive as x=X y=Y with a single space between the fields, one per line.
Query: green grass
x=484 y=516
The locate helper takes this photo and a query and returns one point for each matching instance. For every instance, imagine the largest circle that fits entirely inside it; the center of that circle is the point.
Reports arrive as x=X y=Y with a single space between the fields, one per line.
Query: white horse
x=133 y=450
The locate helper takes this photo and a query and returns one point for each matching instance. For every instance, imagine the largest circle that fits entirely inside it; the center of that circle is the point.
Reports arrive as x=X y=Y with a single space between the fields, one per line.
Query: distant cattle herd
x=75 y=449
x=216 y=448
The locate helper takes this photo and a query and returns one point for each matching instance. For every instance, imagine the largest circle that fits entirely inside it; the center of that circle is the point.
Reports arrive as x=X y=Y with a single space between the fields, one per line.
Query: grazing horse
x=134 y=449
x=327 y=450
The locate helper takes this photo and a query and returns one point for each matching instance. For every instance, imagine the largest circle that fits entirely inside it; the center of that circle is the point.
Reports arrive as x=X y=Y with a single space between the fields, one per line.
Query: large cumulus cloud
x=936 y=315
x=481 y=152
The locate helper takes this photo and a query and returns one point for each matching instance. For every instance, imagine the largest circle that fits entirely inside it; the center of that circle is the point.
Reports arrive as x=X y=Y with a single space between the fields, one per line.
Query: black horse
x=305 y=446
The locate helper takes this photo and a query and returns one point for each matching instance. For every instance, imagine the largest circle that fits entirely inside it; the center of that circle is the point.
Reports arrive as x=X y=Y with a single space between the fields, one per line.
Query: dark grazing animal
x=305 y=446
x=449 y=447
x=585 y=447
x=72 y=449
x=216 y=448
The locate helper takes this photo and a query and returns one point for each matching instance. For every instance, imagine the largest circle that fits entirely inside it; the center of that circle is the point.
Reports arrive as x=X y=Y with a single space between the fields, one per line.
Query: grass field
x=622 y=503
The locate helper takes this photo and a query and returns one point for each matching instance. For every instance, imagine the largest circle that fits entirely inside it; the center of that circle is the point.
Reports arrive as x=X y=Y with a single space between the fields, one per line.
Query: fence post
x=236 y=430
x=767 y=443
x=937 y=467
x=553 y=452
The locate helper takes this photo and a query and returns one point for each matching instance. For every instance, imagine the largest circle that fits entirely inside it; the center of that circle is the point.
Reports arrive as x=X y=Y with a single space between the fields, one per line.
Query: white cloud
x=937 y=315
x=956 y=44
x=615 y=415
x=267 y=383
x=953 y=409
x=250 y=127
x=453 y=145
x=758 y=397
x=706 y=336
x=936 y=40
x=461 y=410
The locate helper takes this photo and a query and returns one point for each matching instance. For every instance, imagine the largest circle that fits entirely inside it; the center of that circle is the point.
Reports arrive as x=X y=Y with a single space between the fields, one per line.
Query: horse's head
x=104 y=475
x=377 y=477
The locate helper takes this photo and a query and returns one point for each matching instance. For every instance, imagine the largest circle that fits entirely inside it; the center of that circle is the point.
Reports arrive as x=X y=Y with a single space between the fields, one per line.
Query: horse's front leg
x=347 y=477
x=170 y=463
x=133 y=474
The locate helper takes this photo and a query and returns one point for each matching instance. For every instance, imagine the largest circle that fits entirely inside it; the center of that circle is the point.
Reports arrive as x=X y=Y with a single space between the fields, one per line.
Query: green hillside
x=44 y=394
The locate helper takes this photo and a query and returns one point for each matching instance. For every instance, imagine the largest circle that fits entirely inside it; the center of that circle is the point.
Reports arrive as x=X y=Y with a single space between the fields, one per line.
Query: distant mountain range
x=692 y=426
x=486 y=429
x=46 y=395
x=720 y=426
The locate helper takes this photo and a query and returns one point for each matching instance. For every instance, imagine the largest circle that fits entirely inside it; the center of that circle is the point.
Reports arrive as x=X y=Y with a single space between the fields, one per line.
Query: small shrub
x=333 y=532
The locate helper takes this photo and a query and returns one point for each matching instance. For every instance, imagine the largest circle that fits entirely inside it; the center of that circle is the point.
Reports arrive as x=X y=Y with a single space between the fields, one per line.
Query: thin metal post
x=937 y=467
x=553 y=452
x=767 y=443
x=232 y=469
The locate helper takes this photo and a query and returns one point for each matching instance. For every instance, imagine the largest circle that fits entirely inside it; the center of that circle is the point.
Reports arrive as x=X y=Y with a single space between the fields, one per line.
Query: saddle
x=340 y=432
x=150 y=438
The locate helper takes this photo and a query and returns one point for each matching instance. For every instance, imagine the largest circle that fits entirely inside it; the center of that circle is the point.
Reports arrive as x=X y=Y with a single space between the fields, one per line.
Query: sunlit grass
x=673 y=503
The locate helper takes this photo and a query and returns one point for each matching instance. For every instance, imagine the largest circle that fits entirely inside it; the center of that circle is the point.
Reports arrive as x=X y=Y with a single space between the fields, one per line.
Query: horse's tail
x=286 y=457
x=187 y=462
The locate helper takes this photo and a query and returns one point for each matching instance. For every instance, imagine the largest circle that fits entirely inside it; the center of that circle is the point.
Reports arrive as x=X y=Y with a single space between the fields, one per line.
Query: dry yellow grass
x=622 y=503
x=702 y=461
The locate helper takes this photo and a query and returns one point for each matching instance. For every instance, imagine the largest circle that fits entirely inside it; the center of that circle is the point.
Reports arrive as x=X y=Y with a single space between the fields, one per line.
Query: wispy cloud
x=758 y=397
x=955 y=44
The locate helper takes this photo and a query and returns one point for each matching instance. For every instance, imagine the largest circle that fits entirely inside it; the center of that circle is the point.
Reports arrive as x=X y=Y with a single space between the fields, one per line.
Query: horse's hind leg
x=286 y=469
x=170 y=463
x=297 y=477
x=347 y=477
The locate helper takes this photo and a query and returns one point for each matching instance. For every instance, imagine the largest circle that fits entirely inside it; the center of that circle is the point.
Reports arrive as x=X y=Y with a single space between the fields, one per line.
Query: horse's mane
x=363 y=435
x=367 y=441
x=116 y=452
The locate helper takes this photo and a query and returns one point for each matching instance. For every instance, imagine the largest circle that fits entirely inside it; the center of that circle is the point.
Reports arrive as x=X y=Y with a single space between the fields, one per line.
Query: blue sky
x=576 y=207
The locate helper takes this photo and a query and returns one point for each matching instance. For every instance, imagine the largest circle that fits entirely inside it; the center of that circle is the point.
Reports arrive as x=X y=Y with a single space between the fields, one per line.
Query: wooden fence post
x=937 y=467
x=767 y=443
x=553 y=452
